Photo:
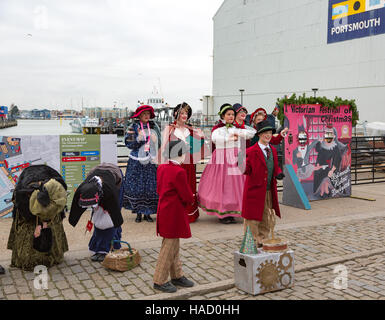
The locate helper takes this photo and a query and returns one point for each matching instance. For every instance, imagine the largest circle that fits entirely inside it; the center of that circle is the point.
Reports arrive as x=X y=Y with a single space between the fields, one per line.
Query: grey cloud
x=104 y=50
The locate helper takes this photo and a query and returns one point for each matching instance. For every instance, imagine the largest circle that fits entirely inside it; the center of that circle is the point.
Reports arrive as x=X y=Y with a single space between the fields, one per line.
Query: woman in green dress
x=39 y=202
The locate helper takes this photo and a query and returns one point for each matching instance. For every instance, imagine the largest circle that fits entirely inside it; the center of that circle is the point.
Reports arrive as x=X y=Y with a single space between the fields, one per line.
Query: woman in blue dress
x=142 y=138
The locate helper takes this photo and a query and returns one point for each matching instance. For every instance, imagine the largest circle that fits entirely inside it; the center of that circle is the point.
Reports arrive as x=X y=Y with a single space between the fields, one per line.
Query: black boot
x=225 y=220
x=183 y=282
x=166 y=287
x=148 y=218
x=2 y=270
x=138 y=217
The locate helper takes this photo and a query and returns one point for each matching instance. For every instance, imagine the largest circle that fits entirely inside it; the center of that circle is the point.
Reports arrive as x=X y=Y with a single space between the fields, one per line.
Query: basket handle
x=112 y=245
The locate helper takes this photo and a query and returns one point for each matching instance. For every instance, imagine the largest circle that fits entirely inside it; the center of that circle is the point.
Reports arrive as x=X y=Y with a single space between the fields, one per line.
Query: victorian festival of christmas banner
x=318 y=148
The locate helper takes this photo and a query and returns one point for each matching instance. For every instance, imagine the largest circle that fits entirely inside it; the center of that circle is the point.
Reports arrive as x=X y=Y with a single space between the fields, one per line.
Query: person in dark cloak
x=33 y=190
x=102 y=192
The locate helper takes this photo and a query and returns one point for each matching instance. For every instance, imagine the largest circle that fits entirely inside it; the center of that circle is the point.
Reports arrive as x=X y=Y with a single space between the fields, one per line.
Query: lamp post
x=315 y=92
x=207 y=110
x=241 y=91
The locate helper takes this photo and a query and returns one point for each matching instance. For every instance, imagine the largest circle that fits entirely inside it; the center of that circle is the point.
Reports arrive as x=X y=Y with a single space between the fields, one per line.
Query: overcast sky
x=54 y=53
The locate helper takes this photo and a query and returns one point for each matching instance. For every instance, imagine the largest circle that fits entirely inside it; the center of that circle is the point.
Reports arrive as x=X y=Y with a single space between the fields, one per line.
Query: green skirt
x=20 y=241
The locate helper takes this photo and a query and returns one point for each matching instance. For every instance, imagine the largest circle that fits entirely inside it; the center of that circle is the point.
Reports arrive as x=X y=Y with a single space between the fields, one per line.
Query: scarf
x=240 y=126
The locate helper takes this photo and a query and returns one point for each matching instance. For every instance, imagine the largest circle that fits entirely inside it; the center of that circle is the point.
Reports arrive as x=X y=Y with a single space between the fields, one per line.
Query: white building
x=272 y=48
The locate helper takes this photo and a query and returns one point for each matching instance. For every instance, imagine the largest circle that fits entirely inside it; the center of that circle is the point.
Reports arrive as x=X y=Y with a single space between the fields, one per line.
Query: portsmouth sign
x=355 y=19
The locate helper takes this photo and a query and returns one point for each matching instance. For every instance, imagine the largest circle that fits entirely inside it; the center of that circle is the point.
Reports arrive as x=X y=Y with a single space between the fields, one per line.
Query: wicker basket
x=123 y=259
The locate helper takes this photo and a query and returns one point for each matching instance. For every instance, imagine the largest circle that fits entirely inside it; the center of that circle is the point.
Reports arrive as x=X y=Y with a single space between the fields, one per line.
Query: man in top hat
x=260 y=192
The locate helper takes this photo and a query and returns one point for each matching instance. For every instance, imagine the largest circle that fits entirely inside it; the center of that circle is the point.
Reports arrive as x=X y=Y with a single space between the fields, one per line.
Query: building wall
x=273 y=48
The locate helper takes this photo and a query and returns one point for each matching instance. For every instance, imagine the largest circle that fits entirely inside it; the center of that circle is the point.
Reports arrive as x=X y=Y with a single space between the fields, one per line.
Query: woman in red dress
x=194 y=137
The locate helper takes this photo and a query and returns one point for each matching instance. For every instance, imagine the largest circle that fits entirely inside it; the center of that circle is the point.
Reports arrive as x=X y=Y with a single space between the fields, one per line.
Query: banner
x=355 y=19
x=73 y=156
x=318 y=148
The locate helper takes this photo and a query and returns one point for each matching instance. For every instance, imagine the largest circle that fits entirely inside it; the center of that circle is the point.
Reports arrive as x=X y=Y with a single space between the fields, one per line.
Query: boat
x=374 y=129
x=162 y=110
x=86 y=125
x=77 y=125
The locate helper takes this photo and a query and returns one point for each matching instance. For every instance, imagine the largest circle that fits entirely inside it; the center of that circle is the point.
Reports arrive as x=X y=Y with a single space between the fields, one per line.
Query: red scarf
x=239 y=126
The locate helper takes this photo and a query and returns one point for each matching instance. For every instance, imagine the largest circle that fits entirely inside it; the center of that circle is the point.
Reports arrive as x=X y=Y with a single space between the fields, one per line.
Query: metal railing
x=368 y=159
x=367 y=166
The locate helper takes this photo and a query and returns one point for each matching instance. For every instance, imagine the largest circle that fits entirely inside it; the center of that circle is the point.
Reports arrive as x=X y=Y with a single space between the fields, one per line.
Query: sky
x=65 y=54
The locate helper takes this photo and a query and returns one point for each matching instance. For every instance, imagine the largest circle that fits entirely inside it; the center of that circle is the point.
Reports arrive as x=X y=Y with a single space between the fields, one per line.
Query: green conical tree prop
x=248 y=244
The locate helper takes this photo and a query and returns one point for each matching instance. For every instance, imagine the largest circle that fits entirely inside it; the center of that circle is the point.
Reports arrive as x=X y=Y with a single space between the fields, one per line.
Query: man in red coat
x=172 y=221
x=260 y=192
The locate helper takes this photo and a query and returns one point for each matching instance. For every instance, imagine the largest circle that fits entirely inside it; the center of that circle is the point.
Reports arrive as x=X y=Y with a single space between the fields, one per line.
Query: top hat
x=264 y=126
x=143 y=108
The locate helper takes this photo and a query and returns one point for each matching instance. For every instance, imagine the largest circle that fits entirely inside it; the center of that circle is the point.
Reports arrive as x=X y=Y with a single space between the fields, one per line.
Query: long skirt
x=20 y=241
x=101 y=240
x=140 y=188
x=221 y=187
x=192 y=209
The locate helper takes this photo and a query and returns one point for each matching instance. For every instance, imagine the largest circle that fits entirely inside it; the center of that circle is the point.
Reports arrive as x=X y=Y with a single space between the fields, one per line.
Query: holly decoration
x=323 y=101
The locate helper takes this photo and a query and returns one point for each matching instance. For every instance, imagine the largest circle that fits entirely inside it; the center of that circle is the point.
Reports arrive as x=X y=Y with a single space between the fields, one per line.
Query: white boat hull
x=375 y=129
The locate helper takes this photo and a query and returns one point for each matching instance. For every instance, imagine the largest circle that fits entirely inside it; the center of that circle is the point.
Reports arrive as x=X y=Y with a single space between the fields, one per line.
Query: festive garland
x=323 y=101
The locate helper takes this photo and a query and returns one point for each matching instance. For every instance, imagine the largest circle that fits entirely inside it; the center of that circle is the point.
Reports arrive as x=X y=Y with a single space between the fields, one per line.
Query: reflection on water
x=38 y=128
x=46 y=127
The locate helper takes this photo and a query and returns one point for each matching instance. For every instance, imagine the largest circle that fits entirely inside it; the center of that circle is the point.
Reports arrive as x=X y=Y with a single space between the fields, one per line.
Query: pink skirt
x=220 y=190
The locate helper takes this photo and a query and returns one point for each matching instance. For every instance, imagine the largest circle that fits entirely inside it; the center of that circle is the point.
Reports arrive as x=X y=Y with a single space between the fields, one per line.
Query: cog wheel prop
x=285 y=279
x=268 y=276
x=285 y=261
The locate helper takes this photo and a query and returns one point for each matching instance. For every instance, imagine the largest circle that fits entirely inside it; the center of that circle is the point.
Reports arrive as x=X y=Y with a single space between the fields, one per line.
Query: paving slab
x=336 y=231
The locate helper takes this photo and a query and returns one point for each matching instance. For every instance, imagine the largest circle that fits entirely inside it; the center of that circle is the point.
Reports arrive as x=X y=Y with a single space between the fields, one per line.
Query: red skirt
x=193 y=211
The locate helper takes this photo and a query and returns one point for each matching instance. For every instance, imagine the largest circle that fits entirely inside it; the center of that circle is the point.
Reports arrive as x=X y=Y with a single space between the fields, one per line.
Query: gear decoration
x=268 y=275
x=285 y=280
x=285 y=261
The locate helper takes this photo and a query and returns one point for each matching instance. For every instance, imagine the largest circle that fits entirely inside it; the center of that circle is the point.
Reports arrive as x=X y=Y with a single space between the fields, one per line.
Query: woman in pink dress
x=221 y=187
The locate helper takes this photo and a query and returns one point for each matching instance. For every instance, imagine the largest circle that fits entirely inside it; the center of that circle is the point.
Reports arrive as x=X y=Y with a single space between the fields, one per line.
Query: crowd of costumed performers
x=239 y=181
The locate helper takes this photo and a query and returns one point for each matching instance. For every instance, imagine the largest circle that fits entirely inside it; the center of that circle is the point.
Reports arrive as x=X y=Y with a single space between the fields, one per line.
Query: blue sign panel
x=3 y=110
x=353 y=19
x=90 y=153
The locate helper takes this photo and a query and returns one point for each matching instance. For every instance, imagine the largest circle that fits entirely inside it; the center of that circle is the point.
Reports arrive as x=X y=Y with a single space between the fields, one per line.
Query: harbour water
x=47 y=127
x=38 y=127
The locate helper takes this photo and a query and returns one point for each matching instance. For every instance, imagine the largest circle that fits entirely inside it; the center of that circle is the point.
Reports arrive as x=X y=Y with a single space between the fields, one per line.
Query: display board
x=354 y=19
x=71 y=155
x=318 y=149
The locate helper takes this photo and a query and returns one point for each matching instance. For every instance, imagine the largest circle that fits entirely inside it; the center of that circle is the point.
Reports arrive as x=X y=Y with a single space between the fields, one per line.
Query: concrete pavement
x=333 y=232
